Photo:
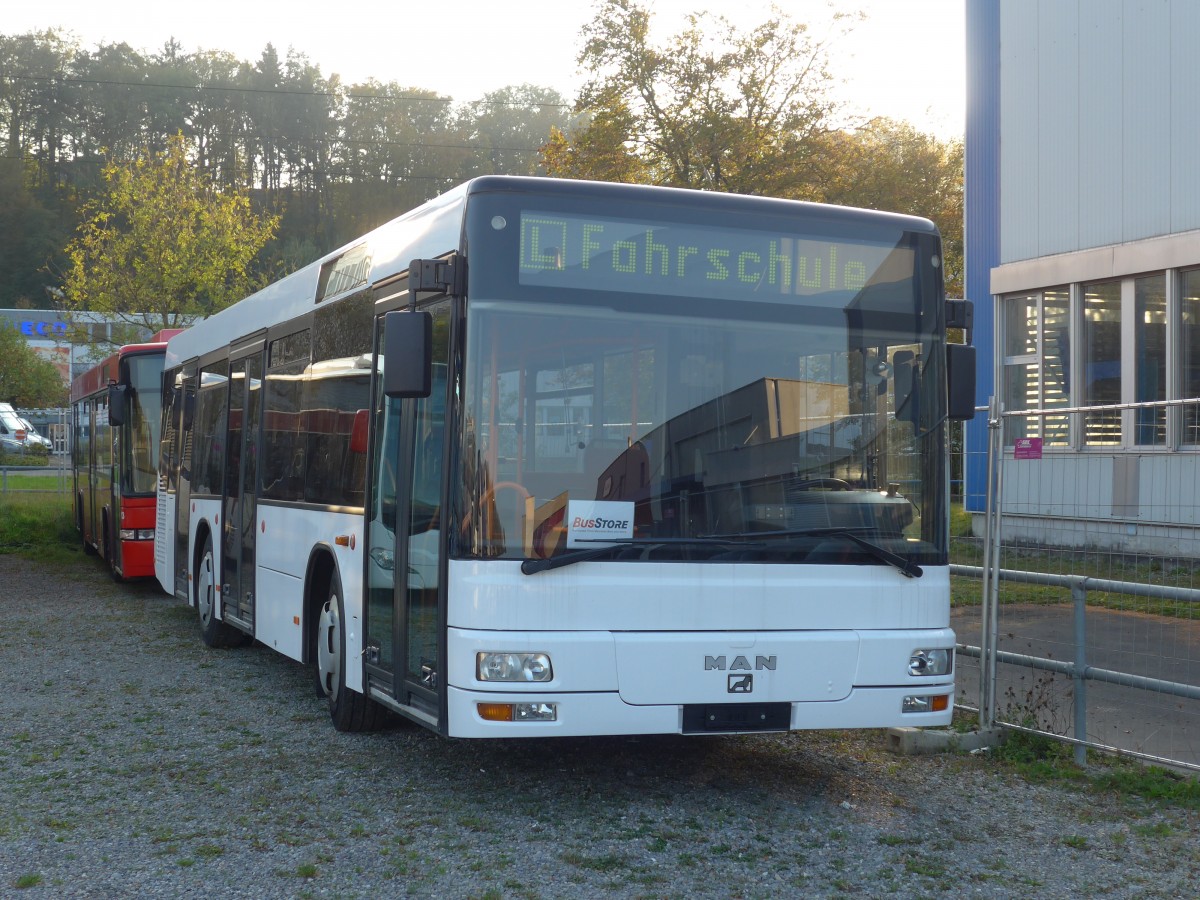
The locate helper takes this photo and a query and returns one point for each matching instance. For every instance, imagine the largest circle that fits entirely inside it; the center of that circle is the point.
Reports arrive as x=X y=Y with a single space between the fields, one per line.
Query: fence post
x=989 y=617
x=1079 y=674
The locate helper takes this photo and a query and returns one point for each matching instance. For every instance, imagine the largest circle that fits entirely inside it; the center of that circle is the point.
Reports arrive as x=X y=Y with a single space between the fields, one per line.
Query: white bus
x=547 y=457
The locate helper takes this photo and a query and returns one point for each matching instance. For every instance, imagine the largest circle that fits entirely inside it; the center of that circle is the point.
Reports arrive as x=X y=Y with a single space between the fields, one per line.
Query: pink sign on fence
x=1027 y=448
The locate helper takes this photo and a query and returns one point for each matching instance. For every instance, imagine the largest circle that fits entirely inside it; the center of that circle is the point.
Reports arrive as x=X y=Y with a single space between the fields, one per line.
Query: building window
x=1037 y=364
x=1150 y=358
x=1189 y=346
x=1102 y=362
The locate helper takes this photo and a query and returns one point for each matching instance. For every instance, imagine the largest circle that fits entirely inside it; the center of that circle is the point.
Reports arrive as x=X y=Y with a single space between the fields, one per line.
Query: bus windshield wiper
x=906 y=566
x=582 y=554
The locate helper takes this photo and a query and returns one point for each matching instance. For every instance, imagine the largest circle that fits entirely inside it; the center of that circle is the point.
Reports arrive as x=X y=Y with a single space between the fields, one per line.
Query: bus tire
x=213 y=631
x=349 y=710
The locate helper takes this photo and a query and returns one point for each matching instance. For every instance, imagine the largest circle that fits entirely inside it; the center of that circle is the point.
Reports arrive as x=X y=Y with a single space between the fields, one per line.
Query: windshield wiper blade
x=906 y=566
x=533 y=566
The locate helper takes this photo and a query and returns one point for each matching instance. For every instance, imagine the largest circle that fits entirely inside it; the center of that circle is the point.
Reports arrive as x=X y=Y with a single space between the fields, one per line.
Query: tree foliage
x=713 y=107
x=338 y=159
x=26 y=378
x=750 y=112
x=893 y=166
x=161 y=245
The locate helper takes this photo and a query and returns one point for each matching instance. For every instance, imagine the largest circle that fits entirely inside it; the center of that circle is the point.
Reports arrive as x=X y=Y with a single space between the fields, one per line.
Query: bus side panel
x=164 y=541
x=279 y=615
x=286 y=538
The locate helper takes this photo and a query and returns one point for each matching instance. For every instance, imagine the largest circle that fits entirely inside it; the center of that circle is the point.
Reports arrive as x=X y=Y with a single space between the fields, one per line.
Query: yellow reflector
x=938 y=704
x=495 y=712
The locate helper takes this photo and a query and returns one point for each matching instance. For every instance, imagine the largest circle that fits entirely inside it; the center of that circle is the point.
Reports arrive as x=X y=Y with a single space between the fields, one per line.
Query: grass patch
x=1038 y=758
x=27 y=881
x=960 y=521
x=39 y=527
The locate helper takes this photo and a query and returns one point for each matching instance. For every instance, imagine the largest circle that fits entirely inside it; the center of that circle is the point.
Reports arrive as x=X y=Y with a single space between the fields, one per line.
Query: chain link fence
x=41 y=462
x=1076 y=592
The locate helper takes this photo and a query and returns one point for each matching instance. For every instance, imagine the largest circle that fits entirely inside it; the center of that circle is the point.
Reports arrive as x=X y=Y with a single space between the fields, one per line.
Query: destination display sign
x=637 y=256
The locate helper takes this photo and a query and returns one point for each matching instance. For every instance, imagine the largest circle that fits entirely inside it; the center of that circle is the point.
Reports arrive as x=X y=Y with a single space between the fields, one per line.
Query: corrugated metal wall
x=1100 y=117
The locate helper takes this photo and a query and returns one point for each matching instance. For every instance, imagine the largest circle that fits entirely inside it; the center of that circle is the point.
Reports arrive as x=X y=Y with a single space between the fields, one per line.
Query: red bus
x=115 y=418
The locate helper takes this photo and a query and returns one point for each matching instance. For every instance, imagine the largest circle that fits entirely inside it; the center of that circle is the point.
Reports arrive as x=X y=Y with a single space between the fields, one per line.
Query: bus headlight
x=385 y=559
x=507 y=666
x=931 y=662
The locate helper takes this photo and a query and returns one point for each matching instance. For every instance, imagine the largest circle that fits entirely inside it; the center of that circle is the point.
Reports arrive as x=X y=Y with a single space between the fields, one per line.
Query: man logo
x=741 y=684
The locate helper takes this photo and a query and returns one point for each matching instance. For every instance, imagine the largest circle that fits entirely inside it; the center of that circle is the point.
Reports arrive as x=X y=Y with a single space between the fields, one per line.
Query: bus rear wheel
x=349 y=710
x=213 y=631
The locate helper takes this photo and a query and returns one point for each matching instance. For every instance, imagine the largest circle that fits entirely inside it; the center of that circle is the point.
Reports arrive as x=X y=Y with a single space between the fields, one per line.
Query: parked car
x=34 y=438
x=17 y=435
x=12 y=432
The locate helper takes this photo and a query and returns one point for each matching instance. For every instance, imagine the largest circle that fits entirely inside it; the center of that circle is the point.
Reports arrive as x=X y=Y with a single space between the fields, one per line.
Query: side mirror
x=407 y=354
x=117 y=404
x=960 y=381
x=906 y=401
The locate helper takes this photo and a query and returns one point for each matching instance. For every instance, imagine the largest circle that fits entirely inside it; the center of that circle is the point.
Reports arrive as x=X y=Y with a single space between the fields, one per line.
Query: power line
x=229 y=89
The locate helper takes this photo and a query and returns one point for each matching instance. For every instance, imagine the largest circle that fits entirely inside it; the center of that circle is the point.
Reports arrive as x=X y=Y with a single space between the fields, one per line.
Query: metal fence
x=1077 y=593
x=39 y=470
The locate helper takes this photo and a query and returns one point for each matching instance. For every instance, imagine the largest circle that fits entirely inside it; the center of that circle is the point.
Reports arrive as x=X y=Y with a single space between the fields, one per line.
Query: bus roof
x=100 y=375
x=436 y=228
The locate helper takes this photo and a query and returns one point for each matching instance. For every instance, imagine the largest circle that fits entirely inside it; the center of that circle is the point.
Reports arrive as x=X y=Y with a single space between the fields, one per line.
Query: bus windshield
x=145 y=414
x=676 y=426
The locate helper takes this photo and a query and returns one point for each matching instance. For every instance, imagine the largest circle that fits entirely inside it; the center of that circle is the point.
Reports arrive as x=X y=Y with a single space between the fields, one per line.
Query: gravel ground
x=136 y=762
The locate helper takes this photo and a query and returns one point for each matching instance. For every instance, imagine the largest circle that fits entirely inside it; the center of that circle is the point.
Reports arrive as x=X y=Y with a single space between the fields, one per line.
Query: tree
x=507 y=127
x=893 y=166
x=27 y=379
x=162 y=246
x=716 y=107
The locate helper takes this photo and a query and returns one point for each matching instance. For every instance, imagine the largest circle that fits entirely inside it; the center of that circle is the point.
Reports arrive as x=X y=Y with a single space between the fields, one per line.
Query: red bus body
x=115 y=466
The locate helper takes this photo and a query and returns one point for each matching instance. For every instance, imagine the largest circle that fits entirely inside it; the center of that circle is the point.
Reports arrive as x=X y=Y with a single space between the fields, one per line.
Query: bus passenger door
x=406 y=602
x=239 y=506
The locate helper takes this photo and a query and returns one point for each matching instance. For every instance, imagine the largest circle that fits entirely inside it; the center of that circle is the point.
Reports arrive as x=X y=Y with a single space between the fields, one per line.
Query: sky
x=906 y=60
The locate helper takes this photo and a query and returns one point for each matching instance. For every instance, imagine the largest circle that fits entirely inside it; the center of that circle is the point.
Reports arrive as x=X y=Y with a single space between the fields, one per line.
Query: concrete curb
x=915 y=741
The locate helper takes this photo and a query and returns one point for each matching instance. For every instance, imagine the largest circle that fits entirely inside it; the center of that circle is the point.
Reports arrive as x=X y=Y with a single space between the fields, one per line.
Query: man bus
x=550 y=457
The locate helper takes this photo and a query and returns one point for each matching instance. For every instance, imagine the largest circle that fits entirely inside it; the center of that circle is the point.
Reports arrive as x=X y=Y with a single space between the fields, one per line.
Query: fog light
x=509 y=666
x=931 y=662
x=935 y=703
x=518 y=712
x=535 y=712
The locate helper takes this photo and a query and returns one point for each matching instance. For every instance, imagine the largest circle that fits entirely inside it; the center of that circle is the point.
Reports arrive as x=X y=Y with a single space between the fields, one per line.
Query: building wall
x=1100 y=118
x=1084 y=124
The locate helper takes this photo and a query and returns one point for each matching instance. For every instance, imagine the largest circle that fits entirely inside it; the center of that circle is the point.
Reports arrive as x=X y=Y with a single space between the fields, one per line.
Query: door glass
x=232 y=506
x=381 y=530
x=404 y=534
x=424 y=517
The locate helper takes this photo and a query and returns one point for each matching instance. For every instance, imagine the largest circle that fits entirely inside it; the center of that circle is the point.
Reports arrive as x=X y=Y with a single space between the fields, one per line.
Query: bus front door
x=405 y=606
x=239 y=506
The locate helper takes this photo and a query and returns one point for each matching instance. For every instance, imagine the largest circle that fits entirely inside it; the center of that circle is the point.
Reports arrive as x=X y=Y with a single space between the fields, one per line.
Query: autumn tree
x=27 y=378
x=714 y=107
x=161 y=245
x=894 y=166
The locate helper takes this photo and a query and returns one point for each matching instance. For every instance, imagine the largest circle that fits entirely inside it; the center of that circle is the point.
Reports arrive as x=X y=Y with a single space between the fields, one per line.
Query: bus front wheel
x=213 y=631
x=349 y=710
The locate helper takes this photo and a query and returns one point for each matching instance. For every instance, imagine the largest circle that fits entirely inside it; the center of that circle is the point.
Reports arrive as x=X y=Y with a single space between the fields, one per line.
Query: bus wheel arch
x=348 y=709
x=213 y=631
